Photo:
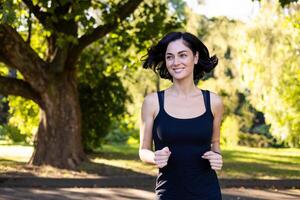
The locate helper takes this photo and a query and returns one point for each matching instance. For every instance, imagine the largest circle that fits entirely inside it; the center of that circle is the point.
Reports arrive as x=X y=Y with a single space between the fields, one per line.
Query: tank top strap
x=160 y=95
x=206 y=95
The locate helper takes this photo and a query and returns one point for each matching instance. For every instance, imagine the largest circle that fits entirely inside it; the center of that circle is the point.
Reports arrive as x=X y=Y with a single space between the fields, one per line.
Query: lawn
x=239 y=162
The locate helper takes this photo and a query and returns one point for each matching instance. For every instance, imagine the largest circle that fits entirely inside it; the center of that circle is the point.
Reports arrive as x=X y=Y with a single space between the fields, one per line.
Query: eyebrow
x=183 y=51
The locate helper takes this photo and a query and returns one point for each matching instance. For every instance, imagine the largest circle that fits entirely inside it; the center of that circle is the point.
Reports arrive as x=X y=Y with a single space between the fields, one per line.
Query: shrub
x=11 y=134
x=230 y=131
x=254 y=140
x=101 y=103
x=24 y=115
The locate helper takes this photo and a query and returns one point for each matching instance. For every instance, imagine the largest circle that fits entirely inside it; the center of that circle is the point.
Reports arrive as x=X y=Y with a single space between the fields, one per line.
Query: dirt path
x=137 y=194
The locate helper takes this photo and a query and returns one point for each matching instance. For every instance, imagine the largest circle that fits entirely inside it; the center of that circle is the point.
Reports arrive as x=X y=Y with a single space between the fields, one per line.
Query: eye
x=169 y=57
x=182 y=55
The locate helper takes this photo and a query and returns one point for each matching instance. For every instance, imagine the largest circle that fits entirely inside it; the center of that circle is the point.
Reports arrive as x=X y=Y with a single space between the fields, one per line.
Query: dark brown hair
x=155 y=58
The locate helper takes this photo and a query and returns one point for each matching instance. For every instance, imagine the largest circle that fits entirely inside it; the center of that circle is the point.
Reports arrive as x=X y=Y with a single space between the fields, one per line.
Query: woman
x=183 y=121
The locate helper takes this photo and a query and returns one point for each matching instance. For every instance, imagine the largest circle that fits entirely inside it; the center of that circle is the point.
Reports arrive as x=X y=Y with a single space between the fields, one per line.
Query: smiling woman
x=183 y=121
x=163 y=54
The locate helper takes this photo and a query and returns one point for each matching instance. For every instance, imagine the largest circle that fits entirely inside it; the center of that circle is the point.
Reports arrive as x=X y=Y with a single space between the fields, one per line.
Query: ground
x=116 y=173
x=137 y=194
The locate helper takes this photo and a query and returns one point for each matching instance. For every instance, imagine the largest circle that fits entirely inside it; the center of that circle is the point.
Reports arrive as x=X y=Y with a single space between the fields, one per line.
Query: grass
x=263 y=163
x=239 y=162
x=125 y=156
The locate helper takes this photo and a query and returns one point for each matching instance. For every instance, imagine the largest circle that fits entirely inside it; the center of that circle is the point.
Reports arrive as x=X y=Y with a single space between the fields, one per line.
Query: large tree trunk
x=58 y=140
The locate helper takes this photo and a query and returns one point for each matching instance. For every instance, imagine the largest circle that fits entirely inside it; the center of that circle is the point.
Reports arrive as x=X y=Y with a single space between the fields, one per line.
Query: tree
x=269 y=67
x=257 y=72
x=50 y=79
x=284 y=2
x=109 y=74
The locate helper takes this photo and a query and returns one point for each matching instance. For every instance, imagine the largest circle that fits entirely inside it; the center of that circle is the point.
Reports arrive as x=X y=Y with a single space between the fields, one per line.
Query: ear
x=196 y=57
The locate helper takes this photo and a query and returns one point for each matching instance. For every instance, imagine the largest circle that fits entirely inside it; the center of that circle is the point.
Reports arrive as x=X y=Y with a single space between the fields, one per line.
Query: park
x=72 y=84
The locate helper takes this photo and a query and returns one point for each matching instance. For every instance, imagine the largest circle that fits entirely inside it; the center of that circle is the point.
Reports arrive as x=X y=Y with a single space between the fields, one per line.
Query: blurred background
x=258 y=77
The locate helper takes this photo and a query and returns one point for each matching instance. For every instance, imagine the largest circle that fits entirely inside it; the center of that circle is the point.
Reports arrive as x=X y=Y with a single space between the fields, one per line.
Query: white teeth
x=178 y=70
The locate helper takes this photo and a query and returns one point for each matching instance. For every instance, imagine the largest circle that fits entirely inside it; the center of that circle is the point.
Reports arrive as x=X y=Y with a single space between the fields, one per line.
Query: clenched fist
x=161 y=157
x=215 y=159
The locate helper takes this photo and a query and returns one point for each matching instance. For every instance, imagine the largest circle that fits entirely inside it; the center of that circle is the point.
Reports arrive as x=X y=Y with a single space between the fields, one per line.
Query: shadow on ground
x=91 y=174
x=137 y=194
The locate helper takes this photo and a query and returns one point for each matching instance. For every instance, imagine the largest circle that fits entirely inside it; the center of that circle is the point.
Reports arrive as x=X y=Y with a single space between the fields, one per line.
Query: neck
x=184 y=88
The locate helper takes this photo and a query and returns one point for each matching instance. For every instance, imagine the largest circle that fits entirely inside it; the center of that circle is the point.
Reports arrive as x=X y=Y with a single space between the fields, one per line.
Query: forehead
x=177 y=46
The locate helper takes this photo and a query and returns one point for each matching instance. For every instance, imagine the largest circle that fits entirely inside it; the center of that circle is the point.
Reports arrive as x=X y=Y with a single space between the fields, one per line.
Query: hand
x=161 y=157
x=215 y=159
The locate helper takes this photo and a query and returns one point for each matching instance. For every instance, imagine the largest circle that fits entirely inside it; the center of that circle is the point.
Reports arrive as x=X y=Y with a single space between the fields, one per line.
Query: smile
x=178 y=70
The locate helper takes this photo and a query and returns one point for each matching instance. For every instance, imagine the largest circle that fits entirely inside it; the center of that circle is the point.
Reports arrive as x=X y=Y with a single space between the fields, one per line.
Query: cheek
x=168 y=64
x=190 y=63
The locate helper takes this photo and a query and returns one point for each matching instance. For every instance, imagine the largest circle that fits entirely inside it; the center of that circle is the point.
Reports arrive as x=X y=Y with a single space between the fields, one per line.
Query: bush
x=118 y=134
x=11 y=134
x=122 y=131
x=254 y=140
x=101 y=103
x=24 y=115
x=230 y=131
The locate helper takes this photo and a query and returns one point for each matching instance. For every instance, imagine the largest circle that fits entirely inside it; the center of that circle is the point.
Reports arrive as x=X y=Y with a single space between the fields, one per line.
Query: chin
x=179 y=77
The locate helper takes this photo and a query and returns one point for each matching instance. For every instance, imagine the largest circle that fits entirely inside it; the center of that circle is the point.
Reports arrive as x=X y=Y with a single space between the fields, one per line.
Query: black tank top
x=187 y=176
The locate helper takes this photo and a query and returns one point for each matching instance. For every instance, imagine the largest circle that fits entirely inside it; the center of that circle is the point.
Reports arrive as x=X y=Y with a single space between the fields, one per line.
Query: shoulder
x=217 y=104
x=215 y=99
x=150 y=103
x=150 y=98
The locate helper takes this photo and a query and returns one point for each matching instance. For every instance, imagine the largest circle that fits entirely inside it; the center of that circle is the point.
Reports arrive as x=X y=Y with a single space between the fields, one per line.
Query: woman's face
x=180 y=60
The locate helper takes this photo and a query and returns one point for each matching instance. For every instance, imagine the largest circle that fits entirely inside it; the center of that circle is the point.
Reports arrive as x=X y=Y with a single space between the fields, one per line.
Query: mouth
x=178 y=70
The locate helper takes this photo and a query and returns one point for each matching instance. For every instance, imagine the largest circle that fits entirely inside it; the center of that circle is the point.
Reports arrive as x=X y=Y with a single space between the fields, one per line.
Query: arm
x=147 y=117
x=217 y=109
x=214 y=155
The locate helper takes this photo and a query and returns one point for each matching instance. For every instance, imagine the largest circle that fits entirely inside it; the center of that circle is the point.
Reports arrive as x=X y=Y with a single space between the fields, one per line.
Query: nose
x=176 y=60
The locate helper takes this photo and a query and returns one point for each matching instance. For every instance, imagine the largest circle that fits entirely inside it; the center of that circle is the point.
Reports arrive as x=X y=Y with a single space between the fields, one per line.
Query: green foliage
x=102 y=94
x=254 y=140
x=101 y=61
x=161 y=17
x=240 y=114
x=179 y=7
x=104 y=69
x=11 y=134
x=120 y=132
x=24 y=115
x=100 y=103
x=262 y=129
x=7 y=11
x=284 y=2
x=269 y=66
x=258 y=70
x=230 y=131
x=3 y=70
x=150 y=16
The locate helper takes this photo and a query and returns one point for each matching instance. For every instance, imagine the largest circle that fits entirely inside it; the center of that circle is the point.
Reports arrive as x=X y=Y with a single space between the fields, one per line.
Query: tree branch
x=122 y=12
x=29 y=24
x=17 y=54
x=36 y=10
x=5 y=61
x=18 y=87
